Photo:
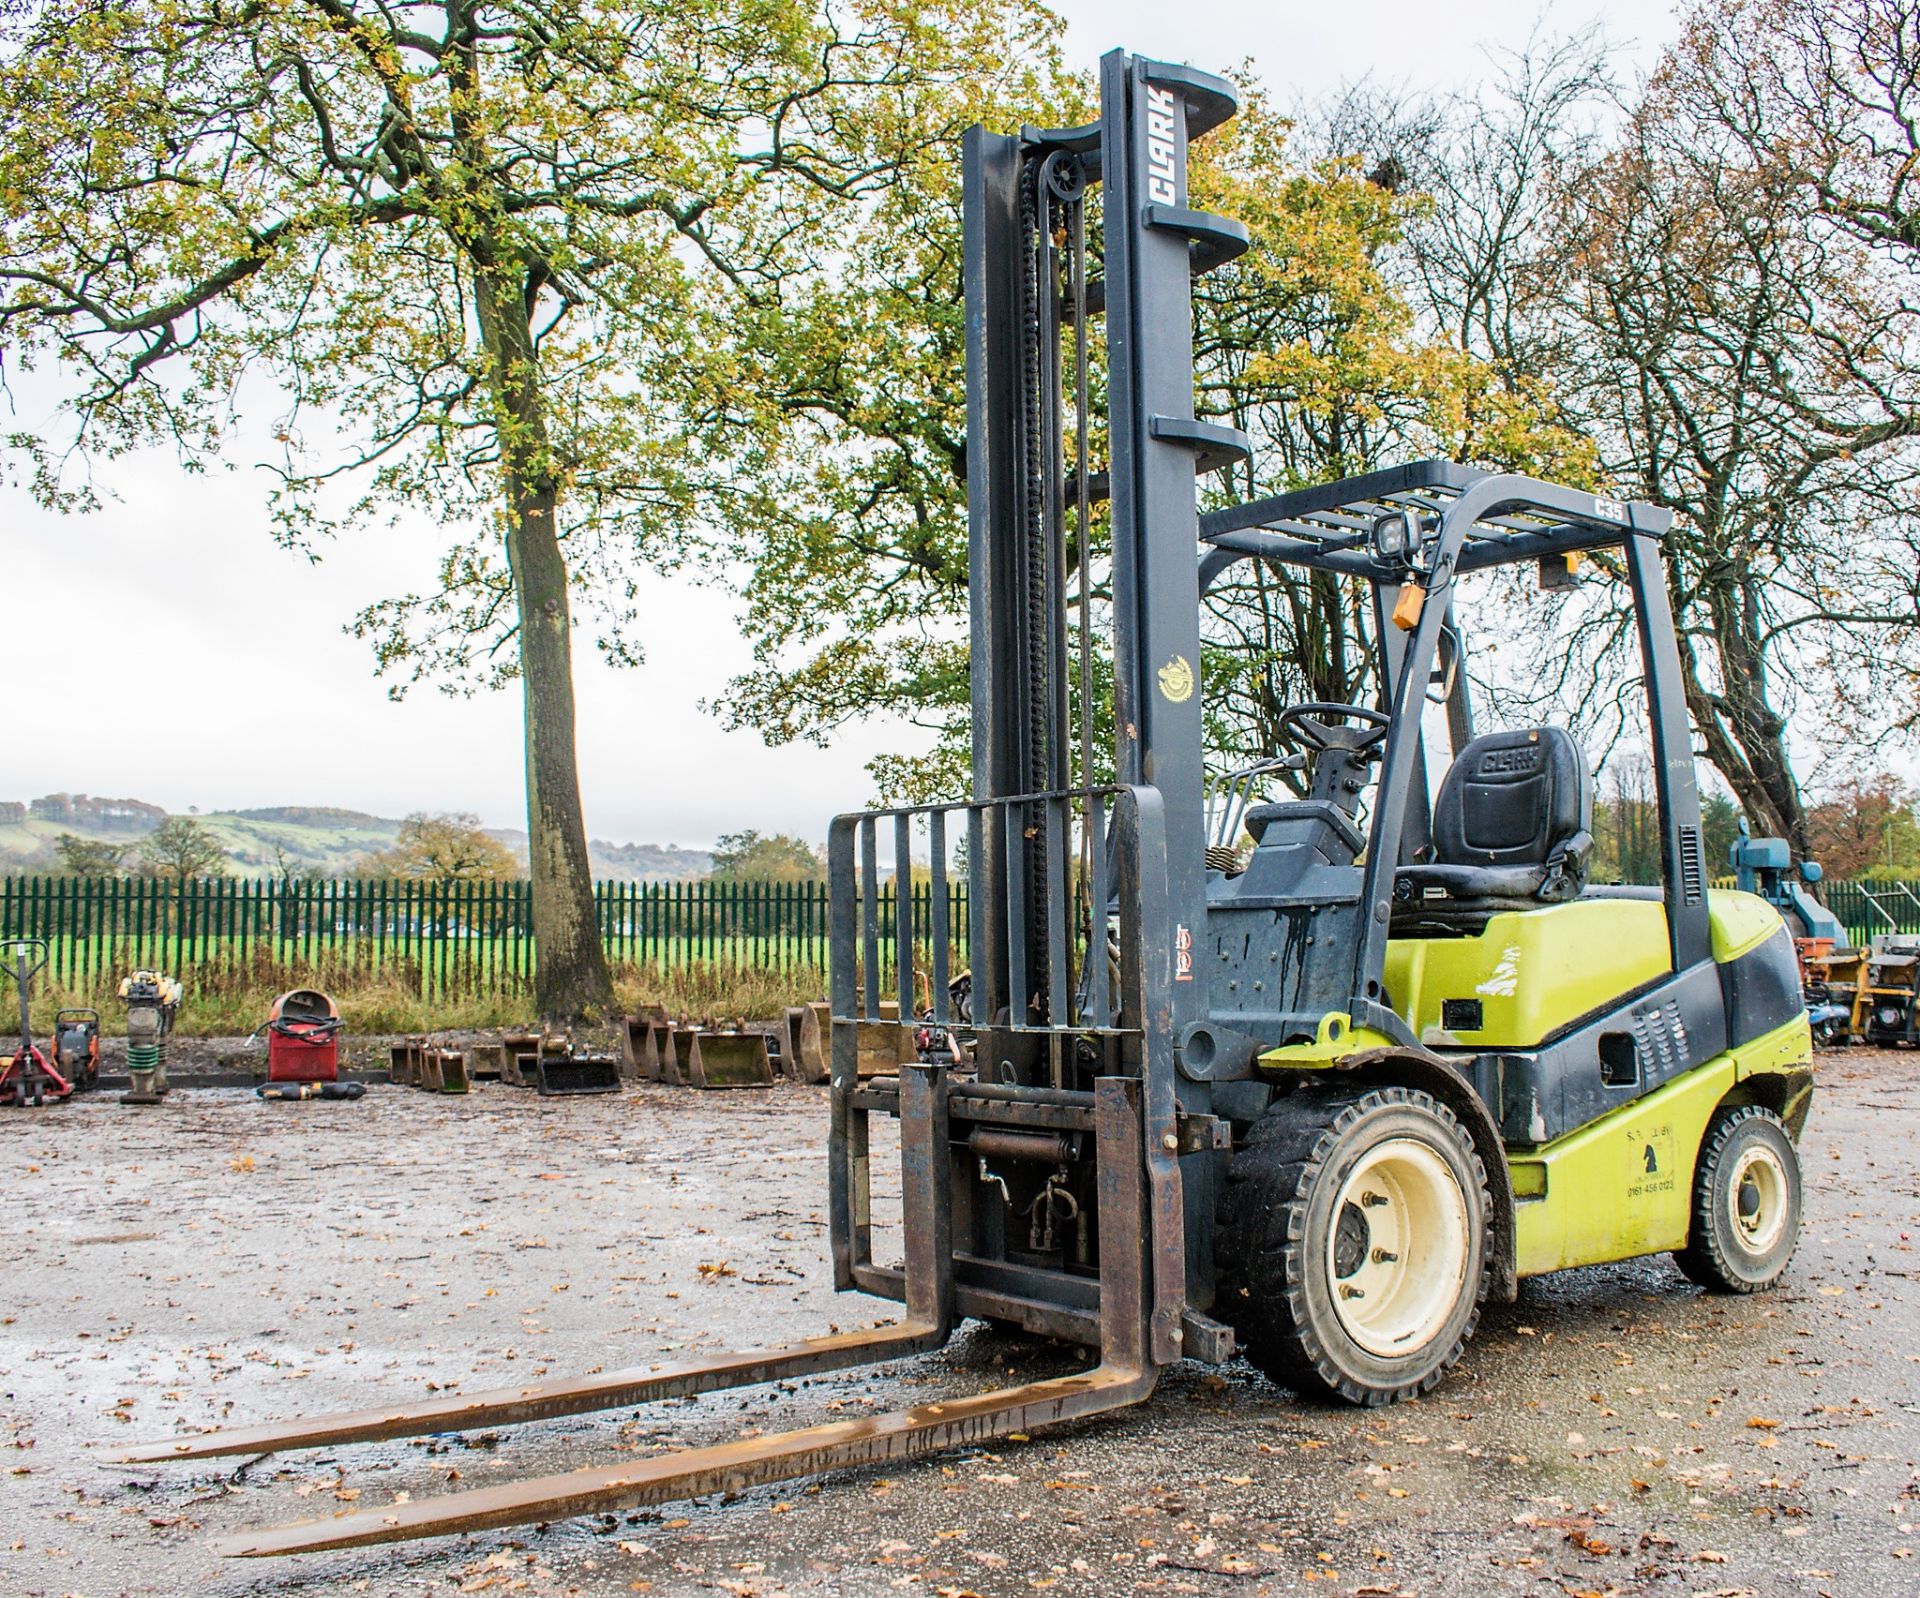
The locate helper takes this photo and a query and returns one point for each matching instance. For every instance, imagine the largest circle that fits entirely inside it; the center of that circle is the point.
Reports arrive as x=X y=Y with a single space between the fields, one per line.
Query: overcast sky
x=171 y=653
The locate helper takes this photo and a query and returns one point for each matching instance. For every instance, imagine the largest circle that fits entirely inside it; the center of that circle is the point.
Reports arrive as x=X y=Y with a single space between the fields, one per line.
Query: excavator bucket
x=451 y=1067
x=639 y=1053
x=681 y=1073
x=565 y=1072
x=730 y=1060
x=884 y=1042
x=522 y=1050
x=804 y=1058
x=405 y=1070
x=667 y=1053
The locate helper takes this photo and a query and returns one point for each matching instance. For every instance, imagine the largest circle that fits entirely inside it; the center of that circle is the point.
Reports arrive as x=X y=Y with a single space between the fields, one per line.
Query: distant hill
x=307 y=840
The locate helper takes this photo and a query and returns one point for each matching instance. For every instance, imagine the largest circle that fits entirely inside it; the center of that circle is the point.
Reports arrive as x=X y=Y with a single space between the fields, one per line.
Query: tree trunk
x=570 y=974
x=1744 y=736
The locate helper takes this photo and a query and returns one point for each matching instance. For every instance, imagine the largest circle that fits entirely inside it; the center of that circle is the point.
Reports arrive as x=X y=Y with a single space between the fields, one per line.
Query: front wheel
x=1746 y=1203
x=1354 y=1242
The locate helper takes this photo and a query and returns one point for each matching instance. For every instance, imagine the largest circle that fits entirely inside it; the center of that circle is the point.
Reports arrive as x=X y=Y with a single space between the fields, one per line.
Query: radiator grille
x=1693 y=868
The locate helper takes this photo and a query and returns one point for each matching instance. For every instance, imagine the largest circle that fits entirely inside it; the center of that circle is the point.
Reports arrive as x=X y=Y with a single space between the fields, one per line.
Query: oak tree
x=441 y=848
x=183 y=849
x=1755 y=369
x=507 y=264
x=1734 y=342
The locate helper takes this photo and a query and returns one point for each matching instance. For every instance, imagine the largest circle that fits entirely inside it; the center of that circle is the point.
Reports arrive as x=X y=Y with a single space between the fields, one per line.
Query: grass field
x=412 y=955
x=234 y=1002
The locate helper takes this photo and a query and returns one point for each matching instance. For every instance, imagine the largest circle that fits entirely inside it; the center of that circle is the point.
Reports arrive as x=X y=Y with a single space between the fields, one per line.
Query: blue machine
x=1765 y=866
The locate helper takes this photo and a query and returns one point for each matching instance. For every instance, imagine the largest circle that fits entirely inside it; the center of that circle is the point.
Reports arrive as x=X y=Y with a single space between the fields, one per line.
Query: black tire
x=1280 y=1242
x=1746 y=1203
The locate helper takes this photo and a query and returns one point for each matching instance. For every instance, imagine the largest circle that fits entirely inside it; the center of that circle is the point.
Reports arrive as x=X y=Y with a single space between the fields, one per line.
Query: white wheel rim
x=1758 y=1196
x=1413 y=1254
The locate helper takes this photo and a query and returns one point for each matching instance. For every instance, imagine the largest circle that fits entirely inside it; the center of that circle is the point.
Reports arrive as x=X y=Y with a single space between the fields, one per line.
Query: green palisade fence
x=460 y=939
x=1855 y=911
x=435 y=939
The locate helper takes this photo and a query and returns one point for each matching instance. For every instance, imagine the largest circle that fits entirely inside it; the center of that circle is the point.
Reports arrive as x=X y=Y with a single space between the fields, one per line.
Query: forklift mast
x=1025 y=208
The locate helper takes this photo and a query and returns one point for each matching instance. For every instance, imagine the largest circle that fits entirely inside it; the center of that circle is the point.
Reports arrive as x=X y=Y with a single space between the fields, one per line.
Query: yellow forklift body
x=1532 y=972
x=1529 y=973
x=1623 y=1185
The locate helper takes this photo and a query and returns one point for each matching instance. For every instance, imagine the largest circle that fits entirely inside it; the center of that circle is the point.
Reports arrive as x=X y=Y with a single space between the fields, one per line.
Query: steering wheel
x=1317 y=726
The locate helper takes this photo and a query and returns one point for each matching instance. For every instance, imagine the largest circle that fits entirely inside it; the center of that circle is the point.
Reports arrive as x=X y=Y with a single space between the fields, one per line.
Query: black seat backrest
x=1510 y=798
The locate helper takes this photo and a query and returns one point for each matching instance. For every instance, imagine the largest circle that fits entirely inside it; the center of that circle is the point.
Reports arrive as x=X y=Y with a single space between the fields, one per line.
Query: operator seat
x=1512 y=826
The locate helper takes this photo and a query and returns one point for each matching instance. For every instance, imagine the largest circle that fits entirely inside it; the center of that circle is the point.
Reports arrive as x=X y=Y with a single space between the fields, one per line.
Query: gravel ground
x=220 y=1259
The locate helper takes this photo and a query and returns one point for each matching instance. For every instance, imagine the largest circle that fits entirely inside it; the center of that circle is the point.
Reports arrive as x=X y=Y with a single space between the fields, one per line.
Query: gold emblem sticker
x=1176 y=680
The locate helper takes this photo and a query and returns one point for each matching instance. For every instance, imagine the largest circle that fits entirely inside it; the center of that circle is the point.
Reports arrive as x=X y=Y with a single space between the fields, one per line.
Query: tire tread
x=1704 y=1261
x=1260 y=1237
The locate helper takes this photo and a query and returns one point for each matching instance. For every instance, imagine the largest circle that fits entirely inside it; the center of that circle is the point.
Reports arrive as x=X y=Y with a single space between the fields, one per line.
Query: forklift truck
x=1317 y=1101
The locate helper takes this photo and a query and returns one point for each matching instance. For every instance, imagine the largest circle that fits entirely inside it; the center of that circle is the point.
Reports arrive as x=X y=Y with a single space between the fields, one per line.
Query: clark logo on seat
x=1508 y=762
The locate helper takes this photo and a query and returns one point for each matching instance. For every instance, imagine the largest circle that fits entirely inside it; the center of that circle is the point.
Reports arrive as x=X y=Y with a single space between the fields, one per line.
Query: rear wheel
x=1354 y=1242
x=1746 y=1203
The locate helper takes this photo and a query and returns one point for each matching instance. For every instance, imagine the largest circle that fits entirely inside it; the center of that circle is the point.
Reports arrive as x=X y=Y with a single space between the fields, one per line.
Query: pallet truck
x=1318 y=1101
x=27 y=1076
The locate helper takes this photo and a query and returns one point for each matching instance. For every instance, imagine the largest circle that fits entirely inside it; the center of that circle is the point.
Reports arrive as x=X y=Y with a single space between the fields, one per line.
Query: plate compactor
x=76 y=1045
x=1317 y=1101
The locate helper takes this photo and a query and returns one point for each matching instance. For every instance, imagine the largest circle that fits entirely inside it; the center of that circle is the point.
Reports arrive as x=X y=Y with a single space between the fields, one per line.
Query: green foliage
x=183 y=848
x=543 y=270
x=1719 y=826
x=846 y=466
x=856 y=541
x=325 y=193
x=88 y=857
x=442 y=848
x=748 y=857
x=1868 y=827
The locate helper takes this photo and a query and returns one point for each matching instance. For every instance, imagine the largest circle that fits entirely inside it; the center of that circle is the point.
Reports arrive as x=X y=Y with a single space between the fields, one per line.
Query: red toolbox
x=303 y=1038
